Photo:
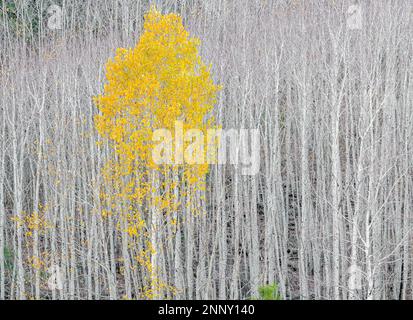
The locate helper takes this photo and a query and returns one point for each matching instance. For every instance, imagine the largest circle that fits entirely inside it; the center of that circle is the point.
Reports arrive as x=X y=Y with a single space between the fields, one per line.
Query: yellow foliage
x=159 y=81
x=151 y=86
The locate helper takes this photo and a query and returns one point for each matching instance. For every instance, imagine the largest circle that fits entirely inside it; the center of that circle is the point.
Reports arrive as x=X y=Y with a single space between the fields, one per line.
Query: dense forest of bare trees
x=328 y=216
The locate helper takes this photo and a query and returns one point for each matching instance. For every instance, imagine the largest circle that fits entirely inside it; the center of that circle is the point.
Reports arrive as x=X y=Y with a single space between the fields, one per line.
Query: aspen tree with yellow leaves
x=161 y=81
